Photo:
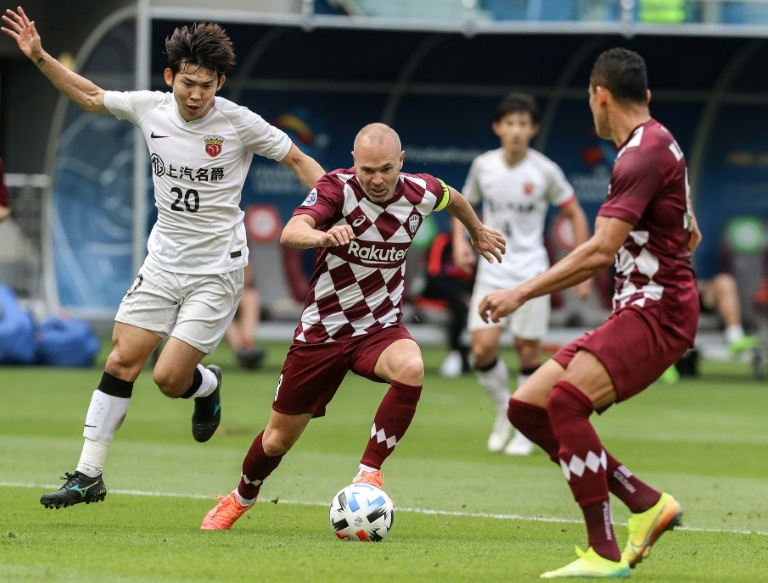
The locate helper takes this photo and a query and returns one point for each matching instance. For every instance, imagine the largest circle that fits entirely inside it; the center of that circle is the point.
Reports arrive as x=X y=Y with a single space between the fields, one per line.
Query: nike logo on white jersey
x=153 y=136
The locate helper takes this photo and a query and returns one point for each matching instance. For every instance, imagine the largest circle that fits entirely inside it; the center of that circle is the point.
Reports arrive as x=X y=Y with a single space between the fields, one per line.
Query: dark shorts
x=313 y=372
x=634 y=348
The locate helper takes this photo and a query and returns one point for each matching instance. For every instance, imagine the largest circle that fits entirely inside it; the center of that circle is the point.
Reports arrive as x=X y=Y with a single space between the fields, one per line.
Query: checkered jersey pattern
x=358 y=288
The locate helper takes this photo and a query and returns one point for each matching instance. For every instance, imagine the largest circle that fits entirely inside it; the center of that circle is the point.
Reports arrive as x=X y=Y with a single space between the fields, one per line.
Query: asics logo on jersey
x=358 y=221
x=155 y=136
x=374 y=253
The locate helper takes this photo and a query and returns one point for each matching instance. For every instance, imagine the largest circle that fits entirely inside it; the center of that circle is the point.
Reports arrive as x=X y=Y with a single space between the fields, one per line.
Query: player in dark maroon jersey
x=362 y=220
x=647 y=225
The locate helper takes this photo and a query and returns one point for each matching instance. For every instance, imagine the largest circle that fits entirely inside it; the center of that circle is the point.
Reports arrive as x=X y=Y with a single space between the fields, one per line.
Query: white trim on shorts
x=196 y=309
x=529 y=322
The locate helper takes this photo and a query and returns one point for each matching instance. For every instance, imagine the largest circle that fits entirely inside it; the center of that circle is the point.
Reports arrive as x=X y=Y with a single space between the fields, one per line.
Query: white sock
x=733 y=333
x=92 y=458
x=105 y=416
x=209 y=382
x=496 y=383
x=241 y=500
x=363 y=468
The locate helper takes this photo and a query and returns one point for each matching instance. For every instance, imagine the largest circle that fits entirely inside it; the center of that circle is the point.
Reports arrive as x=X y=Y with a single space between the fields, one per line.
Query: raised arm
x=306 y=169
x=79 y=89
x=486 y=241
x=589 y=258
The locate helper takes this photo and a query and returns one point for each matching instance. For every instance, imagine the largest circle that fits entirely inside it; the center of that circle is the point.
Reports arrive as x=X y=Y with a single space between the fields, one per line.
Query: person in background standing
x=516 y=186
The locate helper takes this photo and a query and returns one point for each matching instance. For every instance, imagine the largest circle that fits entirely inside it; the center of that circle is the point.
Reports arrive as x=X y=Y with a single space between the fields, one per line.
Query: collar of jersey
x=194 y=123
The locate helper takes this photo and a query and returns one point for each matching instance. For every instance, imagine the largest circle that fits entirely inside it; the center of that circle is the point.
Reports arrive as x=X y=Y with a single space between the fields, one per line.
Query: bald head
x=378 y=159
x=378 y=135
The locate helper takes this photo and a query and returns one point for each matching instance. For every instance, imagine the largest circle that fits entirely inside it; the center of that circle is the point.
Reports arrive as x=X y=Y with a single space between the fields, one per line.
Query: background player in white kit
x=515 y=185
x=201 y=147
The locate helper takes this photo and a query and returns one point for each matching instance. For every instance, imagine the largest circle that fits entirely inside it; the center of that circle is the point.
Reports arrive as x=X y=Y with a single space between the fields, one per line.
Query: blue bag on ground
x=66 y=342
x=17 y=330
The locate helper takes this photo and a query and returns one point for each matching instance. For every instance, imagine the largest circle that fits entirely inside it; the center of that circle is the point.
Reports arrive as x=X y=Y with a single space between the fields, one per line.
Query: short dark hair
x=204 y=44
x=516 y=103
x=623 y=73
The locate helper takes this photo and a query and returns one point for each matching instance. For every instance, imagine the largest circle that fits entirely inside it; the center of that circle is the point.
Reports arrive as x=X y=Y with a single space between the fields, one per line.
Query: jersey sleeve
x=559 y=190
x=471 y=189
x=256 y=134
x=323 y=203
x=636 y=178
x=132 y=105
x=440 y=190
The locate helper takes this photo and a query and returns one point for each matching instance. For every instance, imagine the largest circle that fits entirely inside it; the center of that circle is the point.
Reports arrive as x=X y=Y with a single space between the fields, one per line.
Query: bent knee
x=122 y=368
x=484 y=355
x=411 y=371
x=169 y=382
x=275 y=444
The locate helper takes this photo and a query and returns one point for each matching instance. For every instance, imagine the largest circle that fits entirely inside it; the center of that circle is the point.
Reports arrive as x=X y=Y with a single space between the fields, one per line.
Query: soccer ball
x=362 y=512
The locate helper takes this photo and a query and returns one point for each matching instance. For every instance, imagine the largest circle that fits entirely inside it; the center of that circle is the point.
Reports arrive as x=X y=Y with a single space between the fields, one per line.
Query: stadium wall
x=438 y=89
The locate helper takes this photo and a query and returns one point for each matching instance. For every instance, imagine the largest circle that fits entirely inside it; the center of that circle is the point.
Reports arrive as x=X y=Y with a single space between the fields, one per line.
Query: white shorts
x=529 y=322
x=196 y=309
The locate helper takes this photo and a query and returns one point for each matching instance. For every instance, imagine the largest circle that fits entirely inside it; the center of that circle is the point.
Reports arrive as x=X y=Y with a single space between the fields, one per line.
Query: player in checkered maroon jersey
x=362 y=221
x=646 y=223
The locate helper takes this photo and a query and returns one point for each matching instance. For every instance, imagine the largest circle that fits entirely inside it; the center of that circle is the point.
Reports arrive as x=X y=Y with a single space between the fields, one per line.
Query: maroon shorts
x=633 y=346
x=313 y=372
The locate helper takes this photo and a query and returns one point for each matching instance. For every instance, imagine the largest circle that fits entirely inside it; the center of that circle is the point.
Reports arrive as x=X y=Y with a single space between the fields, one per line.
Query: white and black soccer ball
x=362 y=512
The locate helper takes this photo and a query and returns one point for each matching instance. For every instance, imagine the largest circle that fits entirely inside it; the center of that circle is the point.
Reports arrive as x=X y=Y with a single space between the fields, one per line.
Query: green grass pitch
x=462 y=514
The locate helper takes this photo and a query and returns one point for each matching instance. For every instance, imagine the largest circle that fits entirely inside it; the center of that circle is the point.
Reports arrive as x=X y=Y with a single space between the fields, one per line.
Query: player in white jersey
x=515 y=186
x=201 y=147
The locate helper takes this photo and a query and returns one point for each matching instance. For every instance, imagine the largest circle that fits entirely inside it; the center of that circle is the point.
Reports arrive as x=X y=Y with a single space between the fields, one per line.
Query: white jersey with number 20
x=198 y=171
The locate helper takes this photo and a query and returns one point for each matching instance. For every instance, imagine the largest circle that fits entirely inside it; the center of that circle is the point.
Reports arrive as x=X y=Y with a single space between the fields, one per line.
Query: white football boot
x=502 y=431
x=519 y=445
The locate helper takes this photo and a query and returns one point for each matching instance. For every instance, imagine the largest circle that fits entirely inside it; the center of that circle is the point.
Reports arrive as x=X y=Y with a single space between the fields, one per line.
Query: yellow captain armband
x=446 y=196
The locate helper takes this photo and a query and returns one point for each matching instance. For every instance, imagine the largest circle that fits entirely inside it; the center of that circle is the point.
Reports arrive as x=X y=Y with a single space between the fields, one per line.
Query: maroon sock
x=533 y=422
x=600 y=530
x=636 y=494
x=583 y=461
x=391 y=422
x=257 y=466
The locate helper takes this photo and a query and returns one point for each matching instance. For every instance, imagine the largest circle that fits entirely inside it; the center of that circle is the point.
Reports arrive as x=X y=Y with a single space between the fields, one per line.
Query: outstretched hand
x=23 y=31
x=489 y=243
x=500 y=303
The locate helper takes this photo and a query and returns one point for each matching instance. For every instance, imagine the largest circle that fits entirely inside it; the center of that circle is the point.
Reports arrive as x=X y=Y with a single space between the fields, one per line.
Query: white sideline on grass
x=399 y=508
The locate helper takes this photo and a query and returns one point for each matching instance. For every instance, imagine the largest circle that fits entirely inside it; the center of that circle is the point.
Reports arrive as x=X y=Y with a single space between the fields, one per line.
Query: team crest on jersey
x=413 y=223
x=528 y=188
x=213 y=145
x=311 y=198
